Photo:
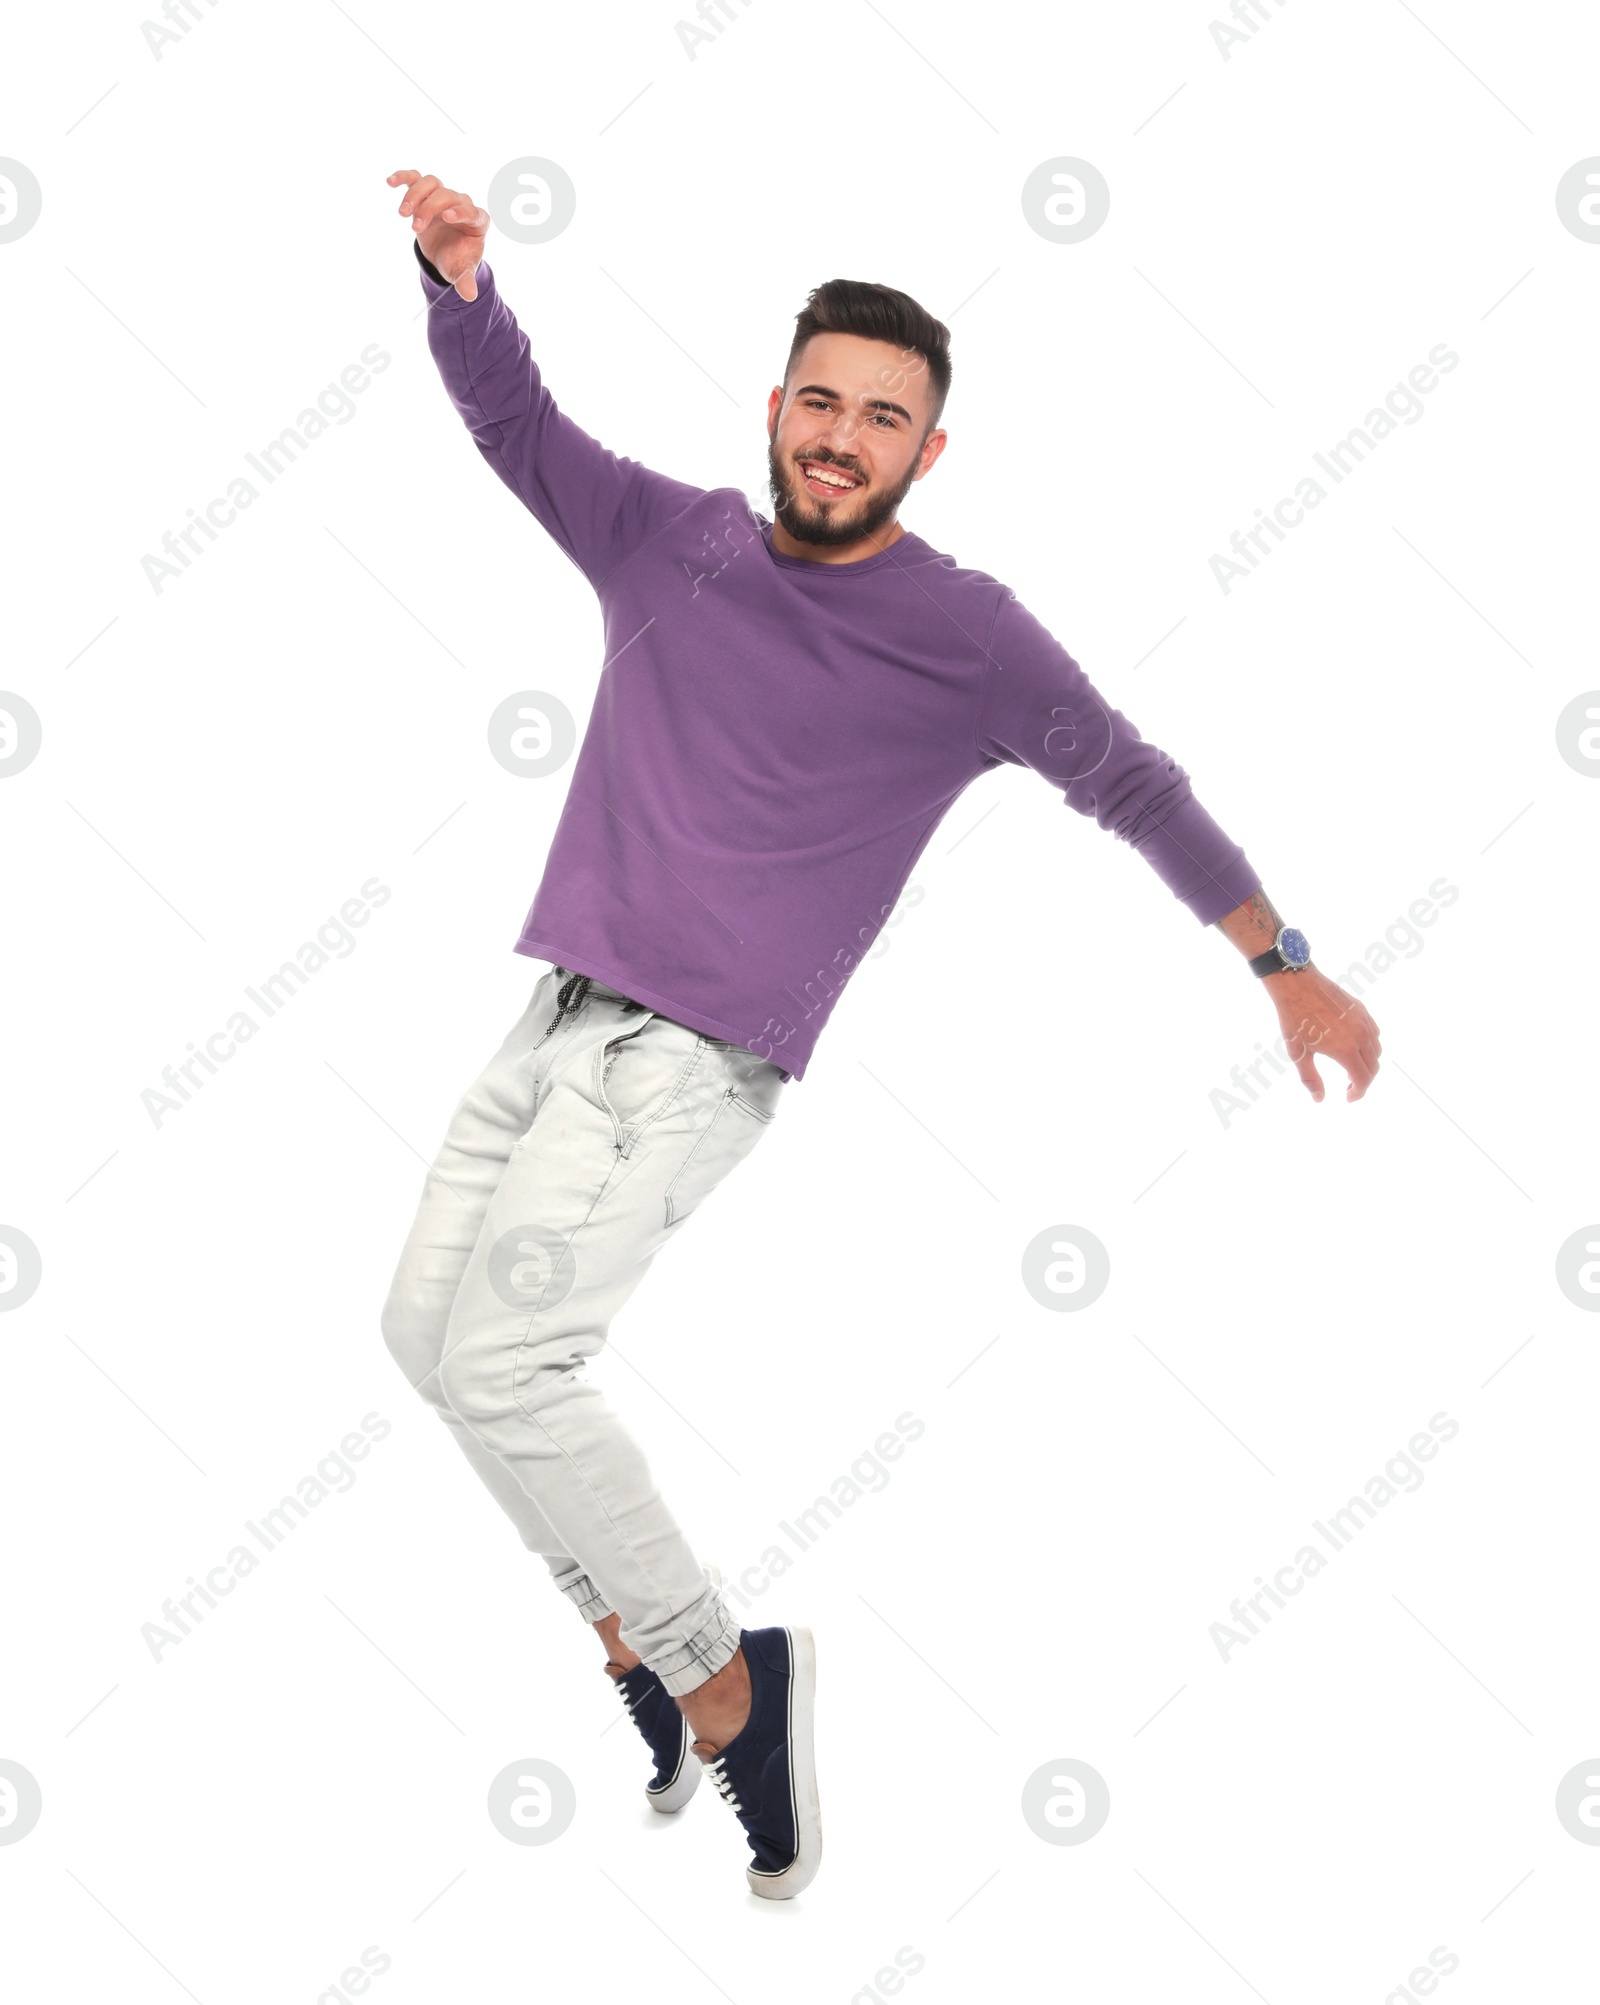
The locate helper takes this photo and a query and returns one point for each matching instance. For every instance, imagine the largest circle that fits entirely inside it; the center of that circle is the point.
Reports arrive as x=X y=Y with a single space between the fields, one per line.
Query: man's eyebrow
x=872 y=403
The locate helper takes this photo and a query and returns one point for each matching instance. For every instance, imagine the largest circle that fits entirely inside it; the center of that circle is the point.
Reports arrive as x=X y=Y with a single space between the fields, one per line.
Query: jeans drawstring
x=574 y=993
x=569 y=999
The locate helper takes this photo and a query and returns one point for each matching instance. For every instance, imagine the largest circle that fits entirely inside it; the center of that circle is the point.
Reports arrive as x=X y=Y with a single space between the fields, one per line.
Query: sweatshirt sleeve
x=1040 y=710
x=597 y=506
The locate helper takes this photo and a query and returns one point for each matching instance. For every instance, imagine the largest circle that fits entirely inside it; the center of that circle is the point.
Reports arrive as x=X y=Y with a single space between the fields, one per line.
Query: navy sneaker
x=658 y=1716
x=767 y=1772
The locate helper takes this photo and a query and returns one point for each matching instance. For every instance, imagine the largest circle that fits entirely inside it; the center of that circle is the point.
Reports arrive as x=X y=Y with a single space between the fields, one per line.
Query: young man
x=786 y=712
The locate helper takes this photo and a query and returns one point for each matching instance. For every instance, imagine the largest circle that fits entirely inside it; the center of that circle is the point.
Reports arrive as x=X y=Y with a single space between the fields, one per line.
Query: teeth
x=832 y=480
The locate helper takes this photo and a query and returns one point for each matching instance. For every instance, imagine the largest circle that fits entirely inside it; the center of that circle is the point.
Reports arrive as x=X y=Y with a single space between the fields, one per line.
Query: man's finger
x=1361 y=1070
x=1306 y=1067
x=418 y=191
x=428 y=208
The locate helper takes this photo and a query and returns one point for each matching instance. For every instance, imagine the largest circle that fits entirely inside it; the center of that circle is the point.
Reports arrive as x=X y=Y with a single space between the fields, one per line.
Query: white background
x=1035 y=1043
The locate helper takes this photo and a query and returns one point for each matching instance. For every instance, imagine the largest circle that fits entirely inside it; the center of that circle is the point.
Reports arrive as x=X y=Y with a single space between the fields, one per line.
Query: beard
x=829 y=524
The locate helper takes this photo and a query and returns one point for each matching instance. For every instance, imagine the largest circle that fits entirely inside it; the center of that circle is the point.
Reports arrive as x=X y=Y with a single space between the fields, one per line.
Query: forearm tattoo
x=1264 y=913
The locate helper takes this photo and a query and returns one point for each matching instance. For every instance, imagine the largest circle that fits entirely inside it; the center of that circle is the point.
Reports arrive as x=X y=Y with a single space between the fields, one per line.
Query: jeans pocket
x=638 y=1073
x=736 y=1125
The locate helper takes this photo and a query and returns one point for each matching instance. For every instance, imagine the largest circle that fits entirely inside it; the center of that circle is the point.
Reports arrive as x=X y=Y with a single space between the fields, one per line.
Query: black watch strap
x=1289 y=953
x=427 y=264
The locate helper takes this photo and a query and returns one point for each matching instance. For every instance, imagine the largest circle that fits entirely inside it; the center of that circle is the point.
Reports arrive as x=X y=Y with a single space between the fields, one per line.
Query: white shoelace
x=724 y=1787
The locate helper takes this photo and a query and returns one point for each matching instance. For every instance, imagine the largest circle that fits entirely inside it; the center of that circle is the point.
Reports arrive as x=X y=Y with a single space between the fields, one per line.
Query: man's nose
x=843 y=432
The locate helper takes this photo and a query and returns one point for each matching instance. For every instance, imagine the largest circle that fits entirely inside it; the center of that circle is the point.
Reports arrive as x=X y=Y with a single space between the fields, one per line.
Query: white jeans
x=578 y=1151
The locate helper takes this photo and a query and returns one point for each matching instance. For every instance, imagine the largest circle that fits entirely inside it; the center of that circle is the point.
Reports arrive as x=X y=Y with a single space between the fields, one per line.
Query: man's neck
x=836 y=553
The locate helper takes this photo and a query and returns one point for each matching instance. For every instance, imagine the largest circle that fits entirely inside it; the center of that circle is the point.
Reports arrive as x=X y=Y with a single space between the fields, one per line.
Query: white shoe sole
x=802 y=1868
x=682 y=1786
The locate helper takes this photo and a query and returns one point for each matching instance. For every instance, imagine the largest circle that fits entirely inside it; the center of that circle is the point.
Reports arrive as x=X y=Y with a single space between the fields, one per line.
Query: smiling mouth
x=825 y=480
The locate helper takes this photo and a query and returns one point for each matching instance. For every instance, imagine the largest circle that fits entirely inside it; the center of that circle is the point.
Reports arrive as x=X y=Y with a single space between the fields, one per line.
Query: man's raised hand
x=450 y=227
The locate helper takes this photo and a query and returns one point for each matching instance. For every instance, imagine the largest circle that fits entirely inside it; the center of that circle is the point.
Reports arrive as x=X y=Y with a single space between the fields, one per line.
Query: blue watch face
x=1294 y=946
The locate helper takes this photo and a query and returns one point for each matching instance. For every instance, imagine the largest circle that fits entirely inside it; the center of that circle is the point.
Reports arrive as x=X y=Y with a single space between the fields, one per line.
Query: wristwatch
x=1290 y=952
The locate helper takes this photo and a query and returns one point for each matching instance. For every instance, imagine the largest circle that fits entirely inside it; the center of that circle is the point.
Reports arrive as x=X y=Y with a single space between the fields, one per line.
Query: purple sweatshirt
x=774 y=741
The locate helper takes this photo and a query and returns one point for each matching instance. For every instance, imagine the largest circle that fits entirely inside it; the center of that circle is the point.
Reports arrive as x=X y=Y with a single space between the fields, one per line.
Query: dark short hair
x=877 y=313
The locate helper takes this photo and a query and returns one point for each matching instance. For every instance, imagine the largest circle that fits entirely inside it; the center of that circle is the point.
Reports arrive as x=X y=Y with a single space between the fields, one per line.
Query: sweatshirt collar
x=911 y=544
